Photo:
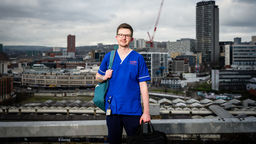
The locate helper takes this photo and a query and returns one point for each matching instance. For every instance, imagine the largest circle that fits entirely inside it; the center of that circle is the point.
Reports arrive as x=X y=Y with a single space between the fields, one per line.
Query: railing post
x=7 y=110
x=94 y=111
x=67 y=112
x=19 y=111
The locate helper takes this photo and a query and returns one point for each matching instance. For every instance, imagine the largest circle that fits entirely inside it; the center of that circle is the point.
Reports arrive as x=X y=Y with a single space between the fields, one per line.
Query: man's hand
x=101 y=78
x=108 y=74
x=145 y=118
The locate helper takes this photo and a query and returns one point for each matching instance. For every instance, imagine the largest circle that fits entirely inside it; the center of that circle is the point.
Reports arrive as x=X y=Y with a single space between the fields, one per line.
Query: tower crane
x=151 y=38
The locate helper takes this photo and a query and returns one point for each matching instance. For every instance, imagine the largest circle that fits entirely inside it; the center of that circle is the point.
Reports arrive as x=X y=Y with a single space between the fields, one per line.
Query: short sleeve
x=143 y=70
x=104 y=64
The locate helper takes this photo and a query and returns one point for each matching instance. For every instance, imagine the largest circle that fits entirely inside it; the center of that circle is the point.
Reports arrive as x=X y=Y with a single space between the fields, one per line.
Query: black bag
x=151 y=137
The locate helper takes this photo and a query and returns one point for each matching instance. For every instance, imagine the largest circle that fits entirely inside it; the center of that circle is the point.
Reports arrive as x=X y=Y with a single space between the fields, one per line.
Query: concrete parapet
x=98 y=127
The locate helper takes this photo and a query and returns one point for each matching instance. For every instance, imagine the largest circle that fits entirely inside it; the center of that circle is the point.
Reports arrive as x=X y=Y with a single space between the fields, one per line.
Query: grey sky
x=48 y=22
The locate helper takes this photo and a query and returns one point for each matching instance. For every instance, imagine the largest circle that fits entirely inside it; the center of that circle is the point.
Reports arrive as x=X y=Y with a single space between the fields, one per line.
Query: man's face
x=124 y=37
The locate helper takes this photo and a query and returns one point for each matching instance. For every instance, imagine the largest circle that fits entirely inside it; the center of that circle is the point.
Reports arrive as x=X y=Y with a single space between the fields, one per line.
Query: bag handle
x=150 y=128
x=111 y=59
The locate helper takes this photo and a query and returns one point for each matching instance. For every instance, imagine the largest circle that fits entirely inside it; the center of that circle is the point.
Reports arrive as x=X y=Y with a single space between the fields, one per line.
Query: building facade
x=157 y=63
x=1 y=47
x=6 y=87
x=231 y=79
x=244 y=56
x=207 y=31
x=182 y=46
x=4 y=60
x=71 y=45
x=58 y=78
x=140 y=43
x=180 y=65
x=253 y=40
x=222 y=57
x=237 y=40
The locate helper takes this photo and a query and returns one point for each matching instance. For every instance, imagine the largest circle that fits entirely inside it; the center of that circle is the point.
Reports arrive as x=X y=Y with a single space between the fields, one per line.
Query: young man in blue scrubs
x=127 y=85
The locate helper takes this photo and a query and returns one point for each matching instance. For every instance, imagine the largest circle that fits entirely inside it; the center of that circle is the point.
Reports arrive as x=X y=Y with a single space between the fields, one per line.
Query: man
x=127 y=84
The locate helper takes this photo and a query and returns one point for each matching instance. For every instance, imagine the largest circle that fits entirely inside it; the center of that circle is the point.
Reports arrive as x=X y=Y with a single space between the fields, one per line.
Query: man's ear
x=132 y=39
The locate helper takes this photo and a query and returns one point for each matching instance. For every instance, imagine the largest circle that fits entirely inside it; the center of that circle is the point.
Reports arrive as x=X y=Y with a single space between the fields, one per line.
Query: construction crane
x=151 y=39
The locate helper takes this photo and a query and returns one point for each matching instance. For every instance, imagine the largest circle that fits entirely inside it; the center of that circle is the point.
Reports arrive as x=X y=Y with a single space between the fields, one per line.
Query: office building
x=1 y=47
x=6 y=88
x=157 y=63
x=191 y=59
x=44 y=77
x=240 y=55
x=183 y=46
x=244 y=56
x=237 y=40
x=207 y=31
x=231 y=79
x=223 y=53
x=180 y=65
x=140 y=43
x=71 y=45
x=4 y=60
x=228 y=55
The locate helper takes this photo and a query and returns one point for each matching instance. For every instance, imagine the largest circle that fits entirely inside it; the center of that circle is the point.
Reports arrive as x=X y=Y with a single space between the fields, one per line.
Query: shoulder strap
x=111 y=59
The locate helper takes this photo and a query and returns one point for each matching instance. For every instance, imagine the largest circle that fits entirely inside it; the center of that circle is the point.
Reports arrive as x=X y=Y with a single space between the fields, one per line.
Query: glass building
x=207 y=31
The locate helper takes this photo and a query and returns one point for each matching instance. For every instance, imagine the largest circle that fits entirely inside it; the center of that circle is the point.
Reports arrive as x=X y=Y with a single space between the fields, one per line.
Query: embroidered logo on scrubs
x=133 y=62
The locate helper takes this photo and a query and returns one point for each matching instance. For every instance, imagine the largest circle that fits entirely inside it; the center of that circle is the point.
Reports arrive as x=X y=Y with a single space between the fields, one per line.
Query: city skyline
x=47 y=23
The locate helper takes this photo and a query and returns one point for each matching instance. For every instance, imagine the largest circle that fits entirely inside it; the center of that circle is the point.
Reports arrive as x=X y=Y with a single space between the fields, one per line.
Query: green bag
x=101 y=88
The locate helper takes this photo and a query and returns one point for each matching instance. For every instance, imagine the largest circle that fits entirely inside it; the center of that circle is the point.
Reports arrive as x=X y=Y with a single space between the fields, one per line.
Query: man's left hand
x=145 y=118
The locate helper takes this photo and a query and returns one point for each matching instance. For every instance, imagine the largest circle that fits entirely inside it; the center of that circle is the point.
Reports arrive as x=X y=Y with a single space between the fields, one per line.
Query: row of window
x=54 y=77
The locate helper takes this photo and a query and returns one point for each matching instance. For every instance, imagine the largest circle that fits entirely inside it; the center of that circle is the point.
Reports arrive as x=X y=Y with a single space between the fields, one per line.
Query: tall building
x=3 y=61
x=6 y=87
x=207 y=31
x=71 y=47
x=1 y=47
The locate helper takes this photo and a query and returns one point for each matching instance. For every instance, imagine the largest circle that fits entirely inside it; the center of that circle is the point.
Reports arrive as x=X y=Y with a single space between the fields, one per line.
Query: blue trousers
x=116 y=123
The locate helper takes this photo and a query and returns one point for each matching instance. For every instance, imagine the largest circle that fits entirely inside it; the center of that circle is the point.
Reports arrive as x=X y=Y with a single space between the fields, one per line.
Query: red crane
x=151 y=39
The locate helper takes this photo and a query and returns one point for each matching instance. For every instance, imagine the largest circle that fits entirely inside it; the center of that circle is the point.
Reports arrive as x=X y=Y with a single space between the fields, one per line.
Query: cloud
x=48 y=22
x=246 y=1
x=236 y=13
x=237 y=19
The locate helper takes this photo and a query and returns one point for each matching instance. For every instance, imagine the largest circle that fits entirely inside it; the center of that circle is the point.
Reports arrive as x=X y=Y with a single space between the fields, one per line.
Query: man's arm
x=101 y=78
x=145 y=99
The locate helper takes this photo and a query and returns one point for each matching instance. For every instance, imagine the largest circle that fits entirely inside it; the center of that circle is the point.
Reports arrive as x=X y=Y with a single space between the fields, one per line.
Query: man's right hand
x=108 y=74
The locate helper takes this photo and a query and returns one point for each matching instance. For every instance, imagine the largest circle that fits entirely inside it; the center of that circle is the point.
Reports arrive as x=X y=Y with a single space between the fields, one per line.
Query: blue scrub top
x=124 y=89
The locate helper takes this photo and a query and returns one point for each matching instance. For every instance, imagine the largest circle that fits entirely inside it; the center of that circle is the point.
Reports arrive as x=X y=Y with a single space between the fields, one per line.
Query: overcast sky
x=48 y=22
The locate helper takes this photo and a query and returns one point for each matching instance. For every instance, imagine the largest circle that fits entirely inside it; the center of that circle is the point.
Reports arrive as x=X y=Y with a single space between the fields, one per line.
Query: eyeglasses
x=124 y=35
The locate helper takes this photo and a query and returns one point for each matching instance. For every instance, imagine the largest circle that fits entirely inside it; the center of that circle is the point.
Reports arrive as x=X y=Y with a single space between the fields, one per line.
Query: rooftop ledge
x=98 y=127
